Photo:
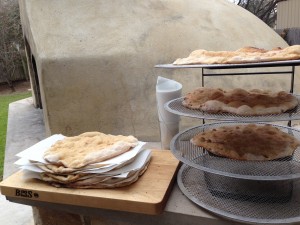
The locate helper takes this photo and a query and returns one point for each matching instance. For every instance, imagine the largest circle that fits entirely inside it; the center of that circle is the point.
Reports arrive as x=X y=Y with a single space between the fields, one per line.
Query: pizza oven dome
x=94 y=60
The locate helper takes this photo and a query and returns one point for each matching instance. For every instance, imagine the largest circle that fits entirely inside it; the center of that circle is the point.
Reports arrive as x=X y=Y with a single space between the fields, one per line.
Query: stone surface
x=25 y=127
x=15 y=214
x=96 y=69
x=46 y=216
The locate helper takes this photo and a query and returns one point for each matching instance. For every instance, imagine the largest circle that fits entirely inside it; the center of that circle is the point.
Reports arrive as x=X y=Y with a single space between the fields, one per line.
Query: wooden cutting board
x=148 y=195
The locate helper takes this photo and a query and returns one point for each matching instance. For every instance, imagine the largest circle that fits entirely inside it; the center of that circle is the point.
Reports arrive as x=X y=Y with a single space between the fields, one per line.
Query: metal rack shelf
x=232 y=66
x=269 y=202
x=207 y=67
x=175 y=106
x=246 y=191
x=201 y=159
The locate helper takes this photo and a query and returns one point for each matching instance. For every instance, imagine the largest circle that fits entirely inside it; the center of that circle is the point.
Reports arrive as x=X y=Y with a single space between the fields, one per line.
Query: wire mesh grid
x=175 y=106
x=267 y=202
x=198 y=157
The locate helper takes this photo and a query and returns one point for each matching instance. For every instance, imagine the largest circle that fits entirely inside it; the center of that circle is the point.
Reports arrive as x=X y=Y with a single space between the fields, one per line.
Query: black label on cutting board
x=26 y=193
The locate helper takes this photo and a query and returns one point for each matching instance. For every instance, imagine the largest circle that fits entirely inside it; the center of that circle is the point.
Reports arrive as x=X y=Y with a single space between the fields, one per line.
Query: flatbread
x=58 y=169
x=239 y=101
x=64 y=179
x=247 y=142
x=87 y=148
x=98 y=181
x=242 y=55
x=61 y=170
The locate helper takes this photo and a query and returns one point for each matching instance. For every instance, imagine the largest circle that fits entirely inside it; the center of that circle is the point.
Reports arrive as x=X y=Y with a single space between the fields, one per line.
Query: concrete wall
x=95 y=59
x=288 y=14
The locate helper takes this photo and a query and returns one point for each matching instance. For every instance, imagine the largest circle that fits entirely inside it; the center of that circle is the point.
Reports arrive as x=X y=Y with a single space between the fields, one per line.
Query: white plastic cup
x=167 y=132
x=167 y=90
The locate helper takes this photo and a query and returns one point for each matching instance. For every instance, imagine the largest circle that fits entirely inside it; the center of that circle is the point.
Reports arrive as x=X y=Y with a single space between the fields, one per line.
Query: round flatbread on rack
x=239 y=101
x=247 y=142
x=242 y=55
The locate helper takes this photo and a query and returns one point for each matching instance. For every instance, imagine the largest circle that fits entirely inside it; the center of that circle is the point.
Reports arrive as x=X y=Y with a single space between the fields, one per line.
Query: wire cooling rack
x=200 y=158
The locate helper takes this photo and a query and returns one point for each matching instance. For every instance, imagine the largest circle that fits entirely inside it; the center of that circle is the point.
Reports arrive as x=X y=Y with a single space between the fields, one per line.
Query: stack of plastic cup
x=167 y=90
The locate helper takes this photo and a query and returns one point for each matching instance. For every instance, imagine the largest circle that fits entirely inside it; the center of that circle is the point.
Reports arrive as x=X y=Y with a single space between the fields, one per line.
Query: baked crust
x=87 y=148
x=239 y=101
x=247 y=142
x=242 y=55
x=93 y=180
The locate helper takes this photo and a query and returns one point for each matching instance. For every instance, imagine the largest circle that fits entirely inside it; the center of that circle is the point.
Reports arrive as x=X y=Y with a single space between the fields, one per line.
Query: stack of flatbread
x=240 y=101
x=247 y=142
x=242 y=55
x=89 y=160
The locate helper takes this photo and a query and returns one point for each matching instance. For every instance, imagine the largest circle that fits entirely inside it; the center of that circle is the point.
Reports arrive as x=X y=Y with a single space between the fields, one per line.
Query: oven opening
x=33 y=74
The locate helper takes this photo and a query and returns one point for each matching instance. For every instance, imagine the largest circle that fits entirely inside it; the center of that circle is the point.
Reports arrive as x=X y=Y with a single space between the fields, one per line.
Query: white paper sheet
x=123 y=157
x=28 y=174
x=36 y=153
x=31 y=157
x=137 y=164
x=31 y=171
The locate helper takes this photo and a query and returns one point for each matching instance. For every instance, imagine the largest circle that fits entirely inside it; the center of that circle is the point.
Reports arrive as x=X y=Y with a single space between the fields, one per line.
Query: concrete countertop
x=25 y=128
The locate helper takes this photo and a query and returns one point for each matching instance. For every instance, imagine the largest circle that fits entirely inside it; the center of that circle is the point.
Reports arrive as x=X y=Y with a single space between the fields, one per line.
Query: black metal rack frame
x=192 y=191
x=291 y=72
x=207 y=67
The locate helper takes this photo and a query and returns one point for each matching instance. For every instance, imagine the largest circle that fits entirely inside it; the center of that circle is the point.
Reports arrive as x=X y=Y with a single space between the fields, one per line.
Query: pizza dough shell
x=239 y=101
x=247 y=142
